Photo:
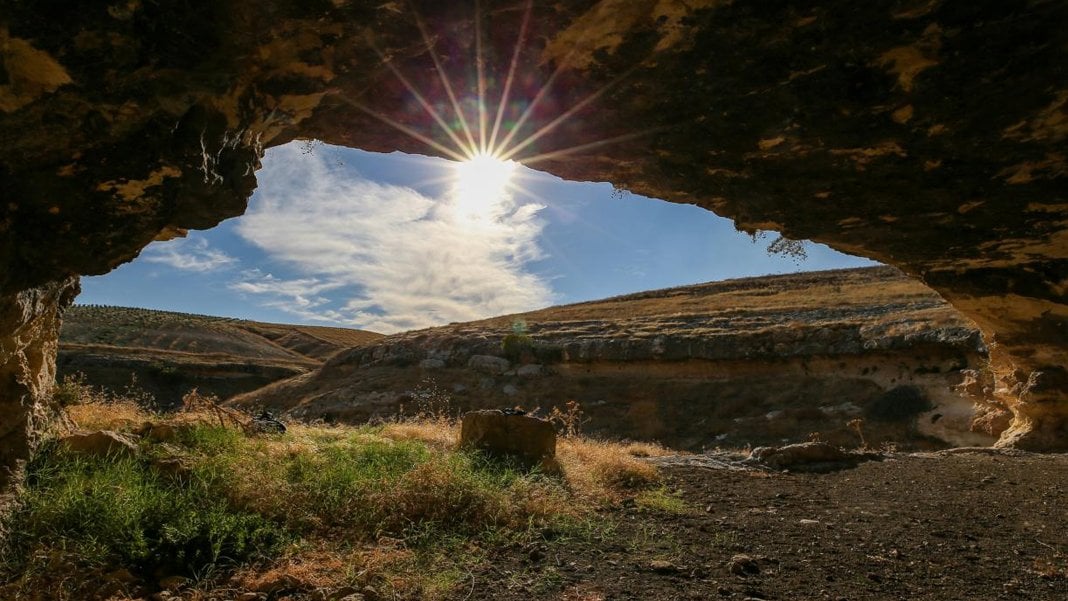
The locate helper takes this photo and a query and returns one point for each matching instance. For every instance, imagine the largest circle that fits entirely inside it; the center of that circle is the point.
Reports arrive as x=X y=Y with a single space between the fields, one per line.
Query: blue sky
x=335 y=236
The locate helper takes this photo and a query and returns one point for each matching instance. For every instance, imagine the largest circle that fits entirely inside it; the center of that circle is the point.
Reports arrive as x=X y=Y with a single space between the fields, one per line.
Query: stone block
x=530 y=439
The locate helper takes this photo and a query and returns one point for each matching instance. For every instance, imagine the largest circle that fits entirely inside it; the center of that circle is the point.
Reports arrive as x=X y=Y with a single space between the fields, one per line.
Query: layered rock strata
x=753 y=361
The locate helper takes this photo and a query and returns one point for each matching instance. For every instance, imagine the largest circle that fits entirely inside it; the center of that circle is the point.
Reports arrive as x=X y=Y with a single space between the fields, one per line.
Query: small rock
x=278 y=583
x=742 y=565
x=101 y=443
x=510 y=390
x=173 y=583
x=809 y=522
x=661 y=566
x=162 y=433
x=250 y=597
x=529 y=371
x=431 y=364
x=121 y=575
x=488 y=364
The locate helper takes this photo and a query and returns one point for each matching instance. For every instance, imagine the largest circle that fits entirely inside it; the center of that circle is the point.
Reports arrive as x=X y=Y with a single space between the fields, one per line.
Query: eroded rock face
x=754 y=361
x=928 y=134
x=27 y=370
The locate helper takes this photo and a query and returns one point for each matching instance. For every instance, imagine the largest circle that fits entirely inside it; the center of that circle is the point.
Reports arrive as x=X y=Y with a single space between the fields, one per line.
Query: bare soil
x=970 y=525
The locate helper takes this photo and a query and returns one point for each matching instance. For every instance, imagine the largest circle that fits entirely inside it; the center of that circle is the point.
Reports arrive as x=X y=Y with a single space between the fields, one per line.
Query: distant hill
x=170 y=353
x=754 y=360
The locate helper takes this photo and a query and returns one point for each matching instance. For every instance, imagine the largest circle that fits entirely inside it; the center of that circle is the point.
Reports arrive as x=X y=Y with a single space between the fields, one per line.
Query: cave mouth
x=395 y=242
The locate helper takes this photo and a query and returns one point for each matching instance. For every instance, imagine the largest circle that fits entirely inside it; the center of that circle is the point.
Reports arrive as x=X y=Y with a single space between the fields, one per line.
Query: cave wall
x=927 y=134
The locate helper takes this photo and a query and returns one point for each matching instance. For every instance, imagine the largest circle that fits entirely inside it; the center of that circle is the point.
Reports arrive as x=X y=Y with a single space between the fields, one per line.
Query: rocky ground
x=973 y=525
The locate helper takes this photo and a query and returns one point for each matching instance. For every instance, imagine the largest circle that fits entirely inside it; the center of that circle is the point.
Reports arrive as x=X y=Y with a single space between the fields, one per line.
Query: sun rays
x=485 y=141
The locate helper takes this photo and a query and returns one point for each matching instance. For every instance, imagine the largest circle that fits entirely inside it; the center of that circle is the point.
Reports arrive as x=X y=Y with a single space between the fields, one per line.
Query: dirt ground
x=963 y=526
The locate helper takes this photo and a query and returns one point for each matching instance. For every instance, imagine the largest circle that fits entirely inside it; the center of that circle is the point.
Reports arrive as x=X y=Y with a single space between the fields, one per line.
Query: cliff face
x=928 y=134
x=752 y=361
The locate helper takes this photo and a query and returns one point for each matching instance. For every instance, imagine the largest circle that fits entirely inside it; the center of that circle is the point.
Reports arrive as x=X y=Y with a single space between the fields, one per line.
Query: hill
x=748 y=361
x=170 y=353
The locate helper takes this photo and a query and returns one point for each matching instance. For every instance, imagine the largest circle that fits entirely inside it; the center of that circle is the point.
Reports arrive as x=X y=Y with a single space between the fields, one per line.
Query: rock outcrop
x=522 y=437
x=928 y=134
x=752 y=361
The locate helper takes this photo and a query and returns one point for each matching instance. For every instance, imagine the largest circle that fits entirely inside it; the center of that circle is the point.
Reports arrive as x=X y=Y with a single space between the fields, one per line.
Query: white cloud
x=391 y=258
x=188 y=254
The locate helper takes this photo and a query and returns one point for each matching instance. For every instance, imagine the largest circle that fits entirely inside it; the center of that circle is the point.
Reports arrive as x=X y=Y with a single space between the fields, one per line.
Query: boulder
x=488 y=364
x=530 y=439
x=101 y=443
x=806 y=456
x=532 y=370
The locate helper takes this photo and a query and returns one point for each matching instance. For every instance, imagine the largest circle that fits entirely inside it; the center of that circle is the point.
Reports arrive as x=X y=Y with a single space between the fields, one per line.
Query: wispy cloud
x=383 y=257
x=188 y=254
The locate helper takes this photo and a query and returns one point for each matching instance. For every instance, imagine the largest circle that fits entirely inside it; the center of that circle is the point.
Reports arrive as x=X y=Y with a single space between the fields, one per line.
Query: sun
x=482 y=184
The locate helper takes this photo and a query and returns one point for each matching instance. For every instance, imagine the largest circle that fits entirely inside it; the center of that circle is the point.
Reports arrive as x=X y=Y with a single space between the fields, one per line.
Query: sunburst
x=486 y=154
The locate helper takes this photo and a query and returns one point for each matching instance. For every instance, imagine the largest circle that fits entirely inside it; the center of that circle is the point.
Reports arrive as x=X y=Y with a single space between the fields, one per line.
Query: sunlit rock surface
x=926 y=134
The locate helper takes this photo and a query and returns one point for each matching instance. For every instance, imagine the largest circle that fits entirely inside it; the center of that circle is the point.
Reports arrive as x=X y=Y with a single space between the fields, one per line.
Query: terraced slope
x=170 y=353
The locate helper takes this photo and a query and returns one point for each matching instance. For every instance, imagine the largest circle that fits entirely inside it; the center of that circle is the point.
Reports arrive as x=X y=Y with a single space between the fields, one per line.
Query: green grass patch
x=663 y=501
x=118 y=511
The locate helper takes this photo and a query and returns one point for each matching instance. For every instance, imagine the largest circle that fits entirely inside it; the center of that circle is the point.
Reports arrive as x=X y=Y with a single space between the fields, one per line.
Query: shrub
x=517 y=346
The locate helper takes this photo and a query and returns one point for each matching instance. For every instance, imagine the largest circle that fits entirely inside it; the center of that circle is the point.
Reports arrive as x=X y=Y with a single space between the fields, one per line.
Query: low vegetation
x=207 y=507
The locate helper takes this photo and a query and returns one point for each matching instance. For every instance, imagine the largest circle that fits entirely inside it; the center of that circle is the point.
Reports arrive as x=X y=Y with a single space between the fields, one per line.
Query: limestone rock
x=488 y=364
x=102 y=443
x=532 y=370
x=495 y=432
x=799 y=456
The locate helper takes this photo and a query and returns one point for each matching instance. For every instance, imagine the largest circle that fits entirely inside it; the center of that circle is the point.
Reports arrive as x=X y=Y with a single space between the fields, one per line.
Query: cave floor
x=974 y=525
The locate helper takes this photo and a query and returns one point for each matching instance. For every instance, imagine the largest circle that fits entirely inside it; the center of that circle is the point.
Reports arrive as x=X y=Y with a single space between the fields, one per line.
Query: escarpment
x=929 y=135
x=751 y=361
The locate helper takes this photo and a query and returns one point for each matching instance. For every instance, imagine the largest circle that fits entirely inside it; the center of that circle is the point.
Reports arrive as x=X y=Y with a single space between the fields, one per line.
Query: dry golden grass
x=595 y=470
x=599 y=471
x=437 y=432
x=122 y=415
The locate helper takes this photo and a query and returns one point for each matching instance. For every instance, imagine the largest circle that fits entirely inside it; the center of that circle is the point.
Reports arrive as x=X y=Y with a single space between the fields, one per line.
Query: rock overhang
x=925 y=134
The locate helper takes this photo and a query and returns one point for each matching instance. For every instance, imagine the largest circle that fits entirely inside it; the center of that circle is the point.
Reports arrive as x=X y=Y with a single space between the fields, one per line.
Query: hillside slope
x=746 y=361
x=170 y=353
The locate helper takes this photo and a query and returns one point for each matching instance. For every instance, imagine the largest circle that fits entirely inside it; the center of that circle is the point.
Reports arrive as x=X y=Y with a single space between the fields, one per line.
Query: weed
x=74 y=390
x=569 y=420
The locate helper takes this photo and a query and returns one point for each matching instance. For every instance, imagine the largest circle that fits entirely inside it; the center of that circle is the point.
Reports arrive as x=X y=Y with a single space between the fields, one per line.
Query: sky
x=394 y=242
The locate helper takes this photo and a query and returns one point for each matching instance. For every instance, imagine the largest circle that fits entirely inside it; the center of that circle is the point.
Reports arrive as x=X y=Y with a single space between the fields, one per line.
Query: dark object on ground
x=267 y=423
x=500 y=433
